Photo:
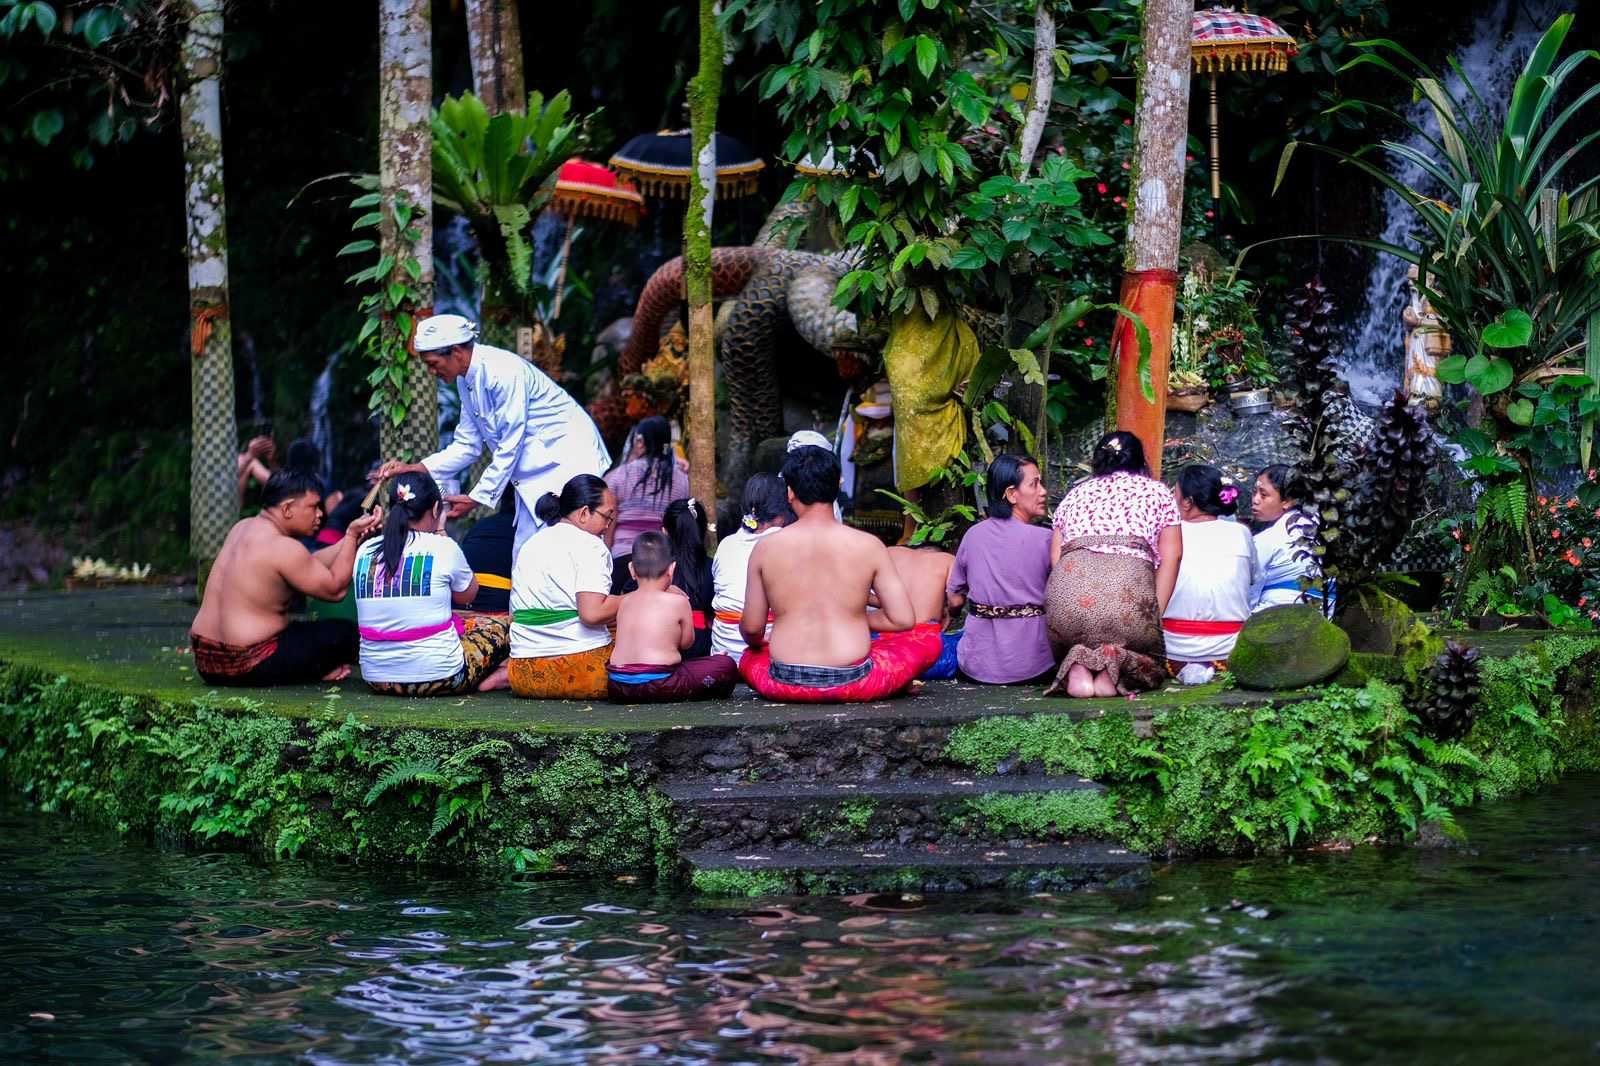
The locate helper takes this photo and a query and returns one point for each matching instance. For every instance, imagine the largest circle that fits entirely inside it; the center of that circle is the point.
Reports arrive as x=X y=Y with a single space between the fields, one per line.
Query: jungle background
x=94 y=423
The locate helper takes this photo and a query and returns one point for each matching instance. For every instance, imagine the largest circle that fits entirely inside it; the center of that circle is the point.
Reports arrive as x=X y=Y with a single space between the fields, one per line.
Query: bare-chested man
x=242 y=635
x=816 y=577
x=926 y=572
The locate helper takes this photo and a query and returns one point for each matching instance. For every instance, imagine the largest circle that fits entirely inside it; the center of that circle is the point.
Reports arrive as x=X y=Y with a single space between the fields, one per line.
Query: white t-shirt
x=556 y=564
x=431 y=568
x=1214 y=579
x=729 y=571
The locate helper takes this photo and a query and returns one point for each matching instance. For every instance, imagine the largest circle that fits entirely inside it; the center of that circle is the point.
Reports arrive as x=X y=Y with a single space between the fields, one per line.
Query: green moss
x=855 y=814
x=1367 y=666
x=1094 y=748
x=741 y=882
x=1287 y=647
x=1042 y=814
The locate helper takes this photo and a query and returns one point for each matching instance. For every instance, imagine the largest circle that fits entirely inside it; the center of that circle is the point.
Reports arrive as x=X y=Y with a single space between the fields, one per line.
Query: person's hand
x=394 y=467
x=366 y=525
x=458 y=506
x=261 y=448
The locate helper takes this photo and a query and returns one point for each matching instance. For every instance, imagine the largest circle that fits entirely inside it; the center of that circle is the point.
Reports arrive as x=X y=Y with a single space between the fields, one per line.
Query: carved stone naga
x=763 y=285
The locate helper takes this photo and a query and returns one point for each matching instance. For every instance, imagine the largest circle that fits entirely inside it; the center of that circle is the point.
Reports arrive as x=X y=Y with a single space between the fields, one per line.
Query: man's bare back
x=258 y=571
x=926 y=572
x=815 y=576
x=653 y=627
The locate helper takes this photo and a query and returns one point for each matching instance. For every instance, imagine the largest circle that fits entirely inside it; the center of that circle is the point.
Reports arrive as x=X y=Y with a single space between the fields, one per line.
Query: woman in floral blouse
x=1114 y=550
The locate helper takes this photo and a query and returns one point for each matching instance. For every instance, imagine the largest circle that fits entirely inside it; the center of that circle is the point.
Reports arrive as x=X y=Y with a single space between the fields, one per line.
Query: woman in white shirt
x=405 y=585
x=1282 y=547
x=561 y=602
x=1211 y=599
x=764 y=511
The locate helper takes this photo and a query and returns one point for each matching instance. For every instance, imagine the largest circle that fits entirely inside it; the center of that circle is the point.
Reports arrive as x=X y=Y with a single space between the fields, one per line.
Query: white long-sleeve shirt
x=1283 y=561
x=537 y=434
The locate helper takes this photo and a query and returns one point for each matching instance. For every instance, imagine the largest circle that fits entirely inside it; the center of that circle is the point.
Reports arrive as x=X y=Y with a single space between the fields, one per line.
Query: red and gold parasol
x=1225 y=40
x=593 y=190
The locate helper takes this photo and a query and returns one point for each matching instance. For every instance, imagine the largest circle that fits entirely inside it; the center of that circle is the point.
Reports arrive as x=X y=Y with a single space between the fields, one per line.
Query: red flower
x=1543 y=500
x=1571 y=503
x=1555 y=534
x=1210 y=214
x=1101 y=188
x=1089 y=341
x=1116 y=199
x=1583 y=601
x=1586 y=542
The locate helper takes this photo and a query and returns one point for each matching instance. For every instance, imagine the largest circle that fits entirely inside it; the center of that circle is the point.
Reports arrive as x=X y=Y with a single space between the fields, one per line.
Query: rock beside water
x=1288 y=647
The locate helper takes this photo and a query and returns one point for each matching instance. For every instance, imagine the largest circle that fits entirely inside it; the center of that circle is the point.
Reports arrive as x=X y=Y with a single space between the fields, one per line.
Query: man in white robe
x=537 y=434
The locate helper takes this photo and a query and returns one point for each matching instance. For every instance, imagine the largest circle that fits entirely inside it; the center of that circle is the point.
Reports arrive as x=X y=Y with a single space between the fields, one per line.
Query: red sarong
x=897 y=659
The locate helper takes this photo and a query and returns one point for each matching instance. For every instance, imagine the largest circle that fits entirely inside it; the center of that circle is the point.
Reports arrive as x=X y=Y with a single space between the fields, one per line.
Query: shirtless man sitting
x=654 y=628
x=816 y=577
x=926 y=571
x=242 y=635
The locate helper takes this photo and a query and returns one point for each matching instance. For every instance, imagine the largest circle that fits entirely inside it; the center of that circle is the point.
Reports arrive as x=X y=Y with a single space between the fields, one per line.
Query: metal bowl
x=1251 y=401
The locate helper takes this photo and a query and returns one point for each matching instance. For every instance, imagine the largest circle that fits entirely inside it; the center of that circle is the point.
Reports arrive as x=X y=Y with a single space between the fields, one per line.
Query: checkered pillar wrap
x=213 y=484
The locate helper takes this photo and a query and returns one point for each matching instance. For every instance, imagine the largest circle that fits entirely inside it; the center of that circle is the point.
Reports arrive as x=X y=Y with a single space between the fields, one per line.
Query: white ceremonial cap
x=808 y=438
x=444 y=331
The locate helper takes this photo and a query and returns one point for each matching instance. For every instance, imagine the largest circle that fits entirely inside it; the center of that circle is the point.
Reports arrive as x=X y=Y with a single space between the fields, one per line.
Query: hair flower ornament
x=749 y=522
x=405 y=493
x=1114 y=444
x=694 y=506
x=1228 y=494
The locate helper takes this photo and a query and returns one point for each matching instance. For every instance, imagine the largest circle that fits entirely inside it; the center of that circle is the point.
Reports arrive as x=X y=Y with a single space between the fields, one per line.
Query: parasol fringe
x=1244 y=55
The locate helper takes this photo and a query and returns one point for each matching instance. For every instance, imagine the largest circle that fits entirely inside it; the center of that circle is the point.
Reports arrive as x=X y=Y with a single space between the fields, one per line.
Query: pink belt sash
x=416 y=633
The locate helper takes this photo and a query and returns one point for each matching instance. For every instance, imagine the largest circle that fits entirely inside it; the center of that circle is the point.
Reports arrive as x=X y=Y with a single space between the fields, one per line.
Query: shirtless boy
x=654 y=626
x=816 y=576
x=242 y=635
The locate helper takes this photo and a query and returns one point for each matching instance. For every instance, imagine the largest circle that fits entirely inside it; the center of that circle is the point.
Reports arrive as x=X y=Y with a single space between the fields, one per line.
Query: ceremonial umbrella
x=592 y=191
x=661 y=165
x=1227 y=40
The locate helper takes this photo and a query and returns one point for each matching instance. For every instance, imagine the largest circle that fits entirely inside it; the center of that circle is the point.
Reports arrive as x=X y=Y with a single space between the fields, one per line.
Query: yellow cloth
x=927 y=359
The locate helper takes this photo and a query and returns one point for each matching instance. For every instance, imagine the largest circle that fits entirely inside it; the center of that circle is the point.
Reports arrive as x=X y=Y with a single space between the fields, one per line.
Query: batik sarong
x=894 y=662
x=579 y=676
x=710 y=678
x=302 y=653
x=485 y=643
x=1102 y=614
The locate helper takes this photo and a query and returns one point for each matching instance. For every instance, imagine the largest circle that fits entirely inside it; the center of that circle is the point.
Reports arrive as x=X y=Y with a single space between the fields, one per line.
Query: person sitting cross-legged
x=406 y=582
x=817 y=576
x=926 y=572
x=242 y=634
x=654 y=628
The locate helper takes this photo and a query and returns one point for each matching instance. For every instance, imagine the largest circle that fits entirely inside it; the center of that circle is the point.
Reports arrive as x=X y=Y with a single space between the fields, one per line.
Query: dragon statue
x=763 y=285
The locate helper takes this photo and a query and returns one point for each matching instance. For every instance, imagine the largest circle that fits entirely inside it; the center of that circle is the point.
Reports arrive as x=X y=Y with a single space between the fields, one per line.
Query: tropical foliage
x=497 y=174
x=391 y=286
x=1510 y=257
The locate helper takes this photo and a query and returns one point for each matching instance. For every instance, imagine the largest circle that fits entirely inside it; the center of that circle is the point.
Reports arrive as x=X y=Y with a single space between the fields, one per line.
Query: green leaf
x=1028 y=363
x=44 y=16
x=1452 y=370
x=927 y=55
x=1513 y=329
x=371 y=218
x=1283 y=164
x=357 y=247
x=45 y=125
x=99 y=24
x=1520 y=412
x=1489 y=376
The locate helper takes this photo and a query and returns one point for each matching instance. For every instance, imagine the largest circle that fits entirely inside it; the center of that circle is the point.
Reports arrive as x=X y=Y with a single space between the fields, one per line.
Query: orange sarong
x=579 y=676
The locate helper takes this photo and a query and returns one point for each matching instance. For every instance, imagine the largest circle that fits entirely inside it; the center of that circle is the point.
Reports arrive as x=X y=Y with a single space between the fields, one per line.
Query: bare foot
x=338 y=673
x=501 y=678
x=1103 y=685
x=1080 y=682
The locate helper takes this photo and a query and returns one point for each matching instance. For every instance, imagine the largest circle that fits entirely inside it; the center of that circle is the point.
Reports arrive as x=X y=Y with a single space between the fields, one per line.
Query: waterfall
x=1501 y=39
x=321 y=425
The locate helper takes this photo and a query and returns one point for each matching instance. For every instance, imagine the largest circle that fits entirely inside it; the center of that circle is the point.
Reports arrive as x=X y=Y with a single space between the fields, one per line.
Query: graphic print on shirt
x=413 y=577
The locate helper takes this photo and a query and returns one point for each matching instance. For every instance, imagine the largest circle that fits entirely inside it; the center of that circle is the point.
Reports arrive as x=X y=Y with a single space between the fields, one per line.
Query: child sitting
x=654 y=625
x=1211 y=599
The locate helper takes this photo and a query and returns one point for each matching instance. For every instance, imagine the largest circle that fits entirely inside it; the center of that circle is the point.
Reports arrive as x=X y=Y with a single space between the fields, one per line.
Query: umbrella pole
x=561 y=271
x=1216 y=162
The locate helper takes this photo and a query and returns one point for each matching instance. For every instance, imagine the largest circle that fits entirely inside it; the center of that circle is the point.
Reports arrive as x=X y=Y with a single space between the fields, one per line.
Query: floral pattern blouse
x=1117 y=505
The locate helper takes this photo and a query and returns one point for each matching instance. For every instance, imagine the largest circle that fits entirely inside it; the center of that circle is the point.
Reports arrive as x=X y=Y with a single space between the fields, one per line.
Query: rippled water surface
x=111 y=952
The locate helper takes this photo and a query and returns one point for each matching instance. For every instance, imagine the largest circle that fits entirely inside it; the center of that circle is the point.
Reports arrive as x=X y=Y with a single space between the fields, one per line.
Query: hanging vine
x=391 y=288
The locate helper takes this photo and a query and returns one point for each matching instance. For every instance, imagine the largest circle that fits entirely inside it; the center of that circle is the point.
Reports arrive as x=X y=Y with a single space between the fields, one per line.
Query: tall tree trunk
x=213 y=503
x=494 y=41
x=1150 y=267
x=405 y=166
x=1041 y=89
x=704 y=91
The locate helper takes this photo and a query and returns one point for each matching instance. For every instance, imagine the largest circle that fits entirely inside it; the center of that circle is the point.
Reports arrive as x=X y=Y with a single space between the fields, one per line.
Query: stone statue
x=1426 y=343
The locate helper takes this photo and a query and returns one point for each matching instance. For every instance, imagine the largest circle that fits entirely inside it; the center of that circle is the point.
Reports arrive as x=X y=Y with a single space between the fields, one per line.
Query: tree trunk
x=213 y=499
x=701 y=430
x=1037 y=109
x=494 y=40
x=405 y=174
x=1150 y=278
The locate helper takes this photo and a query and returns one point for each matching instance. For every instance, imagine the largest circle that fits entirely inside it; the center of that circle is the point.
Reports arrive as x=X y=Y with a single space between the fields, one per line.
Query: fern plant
x=457 y=785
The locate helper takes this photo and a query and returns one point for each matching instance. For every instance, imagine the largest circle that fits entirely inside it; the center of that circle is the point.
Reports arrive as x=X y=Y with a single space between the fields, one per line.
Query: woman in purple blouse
x=1000 y=573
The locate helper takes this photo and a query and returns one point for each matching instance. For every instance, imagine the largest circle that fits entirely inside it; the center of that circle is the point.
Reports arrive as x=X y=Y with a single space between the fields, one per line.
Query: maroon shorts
x=896 y=660
x=711 y=678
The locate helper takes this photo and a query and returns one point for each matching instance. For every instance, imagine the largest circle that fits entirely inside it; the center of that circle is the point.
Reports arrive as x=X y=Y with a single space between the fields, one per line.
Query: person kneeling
x=242 y=634
x=411 y=643
x=817 y=577
x=561 y=598
x=655 y=624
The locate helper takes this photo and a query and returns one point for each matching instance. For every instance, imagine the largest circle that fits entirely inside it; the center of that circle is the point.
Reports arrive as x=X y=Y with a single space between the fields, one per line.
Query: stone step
x=906 y=790
x=963 y=868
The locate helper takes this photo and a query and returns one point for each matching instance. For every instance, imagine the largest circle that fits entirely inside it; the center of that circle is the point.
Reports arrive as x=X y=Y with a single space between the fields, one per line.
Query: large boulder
x=1375 y=621
x=1288 y=647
